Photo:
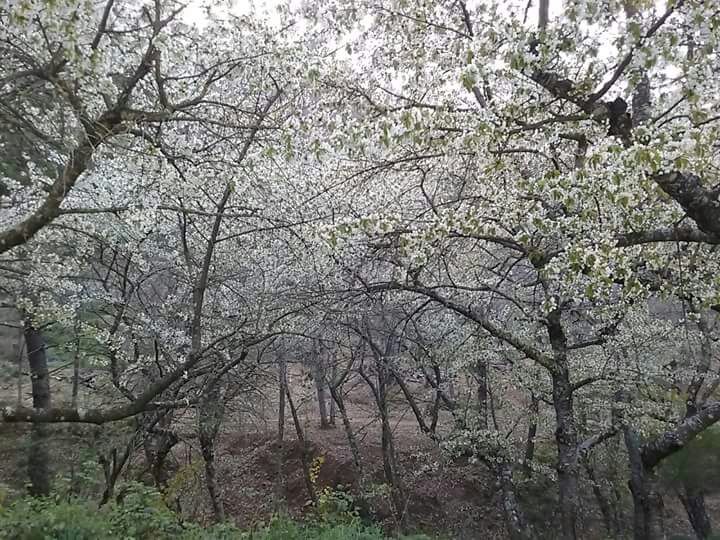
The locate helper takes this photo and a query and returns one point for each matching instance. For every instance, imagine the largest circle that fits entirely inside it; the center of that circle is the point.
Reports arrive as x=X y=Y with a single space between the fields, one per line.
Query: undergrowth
x=142 y=514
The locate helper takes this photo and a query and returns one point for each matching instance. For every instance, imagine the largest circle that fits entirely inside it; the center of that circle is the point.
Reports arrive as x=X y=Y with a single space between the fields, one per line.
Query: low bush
x=141 y=514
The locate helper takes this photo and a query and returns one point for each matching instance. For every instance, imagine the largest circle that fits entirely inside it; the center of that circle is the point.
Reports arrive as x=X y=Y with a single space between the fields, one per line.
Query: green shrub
x=142 y=514
x=286 y=529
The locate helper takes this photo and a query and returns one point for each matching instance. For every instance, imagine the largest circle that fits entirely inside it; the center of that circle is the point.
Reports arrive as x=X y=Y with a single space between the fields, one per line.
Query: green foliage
x=183 y=479
x=63 y=339
x=286 y=529
x=85 y=480
x=336 y=505
x=141 y=514
x=696 y=465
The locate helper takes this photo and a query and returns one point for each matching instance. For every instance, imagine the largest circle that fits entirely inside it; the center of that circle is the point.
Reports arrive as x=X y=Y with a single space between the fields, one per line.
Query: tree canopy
x=524 y=195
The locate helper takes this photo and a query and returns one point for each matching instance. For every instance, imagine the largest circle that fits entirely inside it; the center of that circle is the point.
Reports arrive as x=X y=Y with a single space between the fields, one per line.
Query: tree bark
x=336 y=393
x=517 y=525
x=19 y=375
x=76 y=368
x=38 y=455
x=112 y=468
x=210 y=414
x=319 y=376
x=531 y=434
x=604 y=504
x=566 y=438
x=543 y=14
x=379 y=392
x=158 y=443
x=648 y=523
x=482 y=393
x=333 y=412
x=305 y=453
x=693 y=500
x=282 y=376
x=566 y=430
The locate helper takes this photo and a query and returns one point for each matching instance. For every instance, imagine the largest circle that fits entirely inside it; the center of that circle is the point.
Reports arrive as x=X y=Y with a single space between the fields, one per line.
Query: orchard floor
x=259 y=477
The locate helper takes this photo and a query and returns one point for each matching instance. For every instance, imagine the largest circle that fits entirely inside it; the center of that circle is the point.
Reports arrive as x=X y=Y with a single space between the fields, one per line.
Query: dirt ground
x=260 y=477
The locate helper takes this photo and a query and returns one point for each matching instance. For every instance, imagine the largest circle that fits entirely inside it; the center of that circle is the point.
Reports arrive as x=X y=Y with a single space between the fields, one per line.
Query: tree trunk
x=531 y=434
x=333 y=412
x=390 y=467
x=158 y=443
x=38 y=455
x=352 y=440
x=543 y=14
x=388 y=446
x=566 y=430
x=282 y=368
x=566 y=438
x=305 y=454
x=604 y=504
x=19 y=377
x=76 y=367
x=319 y=377
x=435 y=411
x=210 y=414
x=112 y=468
x=647 y=501
x=379 y=392
x=482 y=393
x=518 y=528
x=693 y=500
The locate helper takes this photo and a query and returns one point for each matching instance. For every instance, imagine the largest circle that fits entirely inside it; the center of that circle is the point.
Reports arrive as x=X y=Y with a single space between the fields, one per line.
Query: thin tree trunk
x=636 y=483
x=19 y=378
x=379 y=392
x=305 y=453
x=693 y=500
x=543 y=14
x=210 y=413
x=482 y=393
x=603 y=503
x=390 y=467
x=647 y=502
x=37 y=359
x=336 y=394
x=38 y=455
x=410 y=399
x=435 y=411
x=517 y=525
x=319 y=377
x=531 y=434
x=76 y=367
x=112 y=468
x=333 y=412
x=641 y=111
x=282 y=368
x=158 y=443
